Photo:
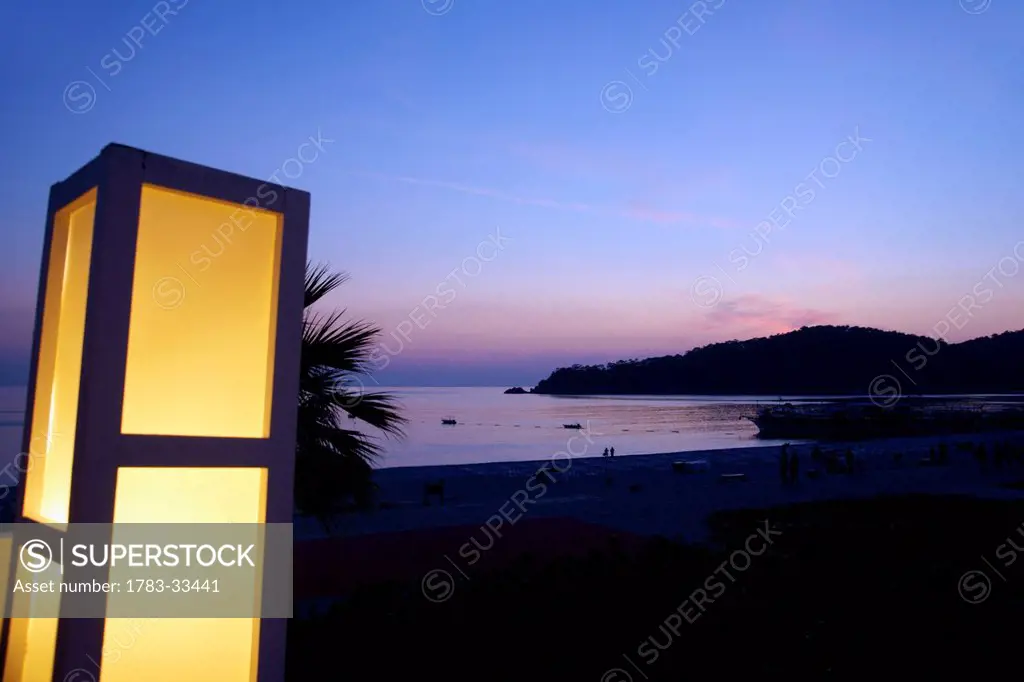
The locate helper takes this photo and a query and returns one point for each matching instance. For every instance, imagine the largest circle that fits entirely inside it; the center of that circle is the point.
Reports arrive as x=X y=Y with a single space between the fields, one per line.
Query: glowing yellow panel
x=203 y=318
x=190 y=495
x=55 y=411
x=33 y=641
x=194 y=649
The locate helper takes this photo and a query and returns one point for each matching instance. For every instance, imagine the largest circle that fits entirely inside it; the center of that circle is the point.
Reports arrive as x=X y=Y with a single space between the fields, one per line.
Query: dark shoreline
x=774 y=397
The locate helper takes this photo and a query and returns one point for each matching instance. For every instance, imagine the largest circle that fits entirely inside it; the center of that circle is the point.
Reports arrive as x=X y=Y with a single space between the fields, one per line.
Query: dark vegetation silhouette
x=822 y=360
x=334 y=457
x=849 y=590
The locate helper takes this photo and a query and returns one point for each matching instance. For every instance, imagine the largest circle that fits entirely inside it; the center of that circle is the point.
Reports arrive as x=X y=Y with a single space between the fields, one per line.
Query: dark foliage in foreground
x=865 y=588
x=823 y=360
x=338 y=419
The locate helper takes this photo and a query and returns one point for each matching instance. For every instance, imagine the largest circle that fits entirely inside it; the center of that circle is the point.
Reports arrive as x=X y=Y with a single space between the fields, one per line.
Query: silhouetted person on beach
x=431 y=489
x=605 y=452
x=981 y=455
x=612 y=453
x=794 y=468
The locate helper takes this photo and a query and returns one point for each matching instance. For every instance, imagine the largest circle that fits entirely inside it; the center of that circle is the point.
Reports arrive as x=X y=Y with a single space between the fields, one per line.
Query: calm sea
x=494 y=427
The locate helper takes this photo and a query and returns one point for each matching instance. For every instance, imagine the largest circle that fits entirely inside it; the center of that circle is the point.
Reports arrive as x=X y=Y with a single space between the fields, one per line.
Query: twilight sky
x=570 y=181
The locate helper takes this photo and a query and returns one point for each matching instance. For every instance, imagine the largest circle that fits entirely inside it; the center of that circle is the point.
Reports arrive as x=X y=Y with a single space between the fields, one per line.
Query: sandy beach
x=642 y=494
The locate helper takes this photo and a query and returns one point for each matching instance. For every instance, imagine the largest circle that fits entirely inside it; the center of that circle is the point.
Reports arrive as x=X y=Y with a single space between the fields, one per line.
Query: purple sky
x=657 y=175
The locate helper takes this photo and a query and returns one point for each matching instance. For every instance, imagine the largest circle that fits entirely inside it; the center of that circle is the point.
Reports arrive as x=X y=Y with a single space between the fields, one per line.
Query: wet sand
x=642 y=494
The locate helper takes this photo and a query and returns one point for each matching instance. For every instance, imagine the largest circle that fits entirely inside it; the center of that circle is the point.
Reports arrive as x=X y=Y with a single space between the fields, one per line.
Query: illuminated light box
x=66 y=273
x=218 y=335
x=219 y=648
x=163 y=389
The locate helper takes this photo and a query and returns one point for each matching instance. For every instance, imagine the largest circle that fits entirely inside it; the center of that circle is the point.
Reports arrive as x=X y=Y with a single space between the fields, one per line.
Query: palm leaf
x=335 y=461
x=320 y=281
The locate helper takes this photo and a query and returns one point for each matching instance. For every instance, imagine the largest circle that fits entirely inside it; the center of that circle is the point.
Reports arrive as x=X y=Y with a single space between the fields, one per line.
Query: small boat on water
x=448 y=421
x=577 y=425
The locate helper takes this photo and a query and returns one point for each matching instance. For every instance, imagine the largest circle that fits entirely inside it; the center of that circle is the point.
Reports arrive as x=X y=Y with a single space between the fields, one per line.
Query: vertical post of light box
x=163 y=389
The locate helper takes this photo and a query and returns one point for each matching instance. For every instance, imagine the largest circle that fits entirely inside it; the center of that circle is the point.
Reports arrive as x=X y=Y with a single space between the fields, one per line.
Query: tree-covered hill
x=822 y=360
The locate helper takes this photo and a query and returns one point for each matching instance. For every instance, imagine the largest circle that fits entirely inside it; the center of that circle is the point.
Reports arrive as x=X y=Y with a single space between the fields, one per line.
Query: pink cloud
x=632 y=212
x=569 y=160
x=835 y=269
x=523 y=329
x=683 y=187
x=642 y=211
x=752 y=315
x=616 y=163
x=655 y=182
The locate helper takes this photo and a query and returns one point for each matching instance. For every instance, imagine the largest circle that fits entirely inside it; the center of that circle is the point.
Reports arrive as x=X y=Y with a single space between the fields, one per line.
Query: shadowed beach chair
x=1002 y=454
x=431 y=489
x=981 y=455
x=690 y=466
x=833 y=463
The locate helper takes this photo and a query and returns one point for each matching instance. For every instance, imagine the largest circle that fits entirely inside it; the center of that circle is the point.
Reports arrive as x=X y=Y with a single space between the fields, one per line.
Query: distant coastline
x=824 y=361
